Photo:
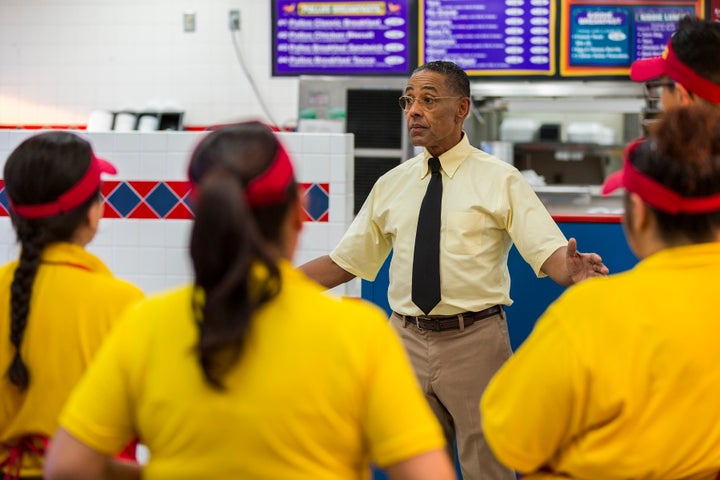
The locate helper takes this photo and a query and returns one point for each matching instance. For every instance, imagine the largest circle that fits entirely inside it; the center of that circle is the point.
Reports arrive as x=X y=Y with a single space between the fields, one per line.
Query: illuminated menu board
x=600 y=39
x=504 y=37
x=341 y=37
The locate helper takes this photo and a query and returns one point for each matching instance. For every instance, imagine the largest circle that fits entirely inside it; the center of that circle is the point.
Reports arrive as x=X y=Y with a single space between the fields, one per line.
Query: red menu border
x=566 y=70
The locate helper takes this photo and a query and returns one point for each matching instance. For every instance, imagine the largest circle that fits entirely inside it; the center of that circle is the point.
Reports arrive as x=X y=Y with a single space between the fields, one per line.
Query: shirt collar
x=449 y=161
x=682 y=255
x=70 y=254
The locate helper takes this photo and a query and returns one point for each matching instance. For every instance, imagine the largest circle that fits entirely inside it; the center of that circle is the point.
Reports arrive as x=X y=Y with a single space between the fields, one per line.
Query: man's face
x=437 y=125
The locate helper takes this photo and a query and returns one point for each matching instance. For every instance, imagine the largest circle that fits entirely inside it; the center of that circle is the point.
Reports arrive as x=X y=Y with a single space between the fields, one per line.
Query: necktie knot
x=434 y=164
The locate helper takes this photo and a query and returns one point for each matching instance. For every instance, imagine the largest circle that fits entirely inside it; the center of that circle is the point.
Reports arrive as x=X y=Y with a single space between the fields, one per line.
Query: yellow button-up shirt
x=487 y=206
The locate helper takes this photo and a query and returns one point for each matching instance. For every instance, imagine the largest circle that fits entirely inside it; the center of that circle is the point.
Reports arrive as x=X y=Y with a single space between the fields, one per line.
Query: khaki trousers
x=453 y=368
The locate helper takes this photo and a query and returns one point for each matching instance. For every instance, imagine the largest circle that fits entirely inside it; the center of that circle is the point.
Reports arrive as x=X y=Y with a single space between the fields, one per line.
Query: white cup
x=100 y=121
x=124 y=122
x=148 y=123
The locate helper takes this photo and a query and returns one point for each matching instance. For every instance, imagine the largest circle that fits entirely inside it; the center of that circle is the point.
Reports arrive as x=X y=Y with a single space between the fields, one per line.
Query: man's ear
x=463 y=109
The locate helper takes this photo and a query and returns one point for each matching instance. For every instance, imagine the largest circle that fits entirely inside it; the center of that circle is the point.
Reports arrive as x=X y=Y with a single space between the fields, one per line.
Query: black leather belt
x=439 y=324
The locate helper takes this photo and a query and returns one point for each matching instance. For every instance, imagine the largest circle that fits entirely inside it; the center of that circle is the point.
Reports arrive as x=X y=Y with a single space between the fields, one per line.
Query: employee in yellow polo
x=251 y=372
x=620 y=379
x=58 y=300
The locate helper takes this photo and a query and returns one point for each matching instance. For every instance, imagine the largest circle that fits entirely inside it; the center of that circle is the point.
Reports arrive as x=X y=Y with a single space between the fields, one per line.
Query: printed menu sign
x=600 y=36
x=341 y=37
x=604 y=38
x=654 y=26
x=504 y=37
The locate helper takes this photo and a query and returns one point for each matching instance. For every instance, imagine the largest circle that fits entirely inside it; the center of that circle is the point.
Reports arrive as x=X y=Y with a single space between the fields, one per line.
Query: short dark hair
x=456 y=78
x=684 y=155
x=696 y=43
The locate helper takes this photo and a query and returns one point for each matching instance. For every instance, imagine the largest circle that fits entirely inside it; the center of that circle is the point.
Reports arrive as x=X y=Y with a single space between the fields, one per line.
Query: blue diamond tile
x=316 y=202
x=187 y=200
x=124 y=199
x=4 y=201
x=162 y=199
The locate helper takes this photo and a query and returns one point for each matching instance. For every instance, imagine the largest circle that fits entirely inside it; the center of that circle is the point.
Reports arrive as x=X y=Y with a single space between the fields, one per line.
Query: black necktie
x=426 y=260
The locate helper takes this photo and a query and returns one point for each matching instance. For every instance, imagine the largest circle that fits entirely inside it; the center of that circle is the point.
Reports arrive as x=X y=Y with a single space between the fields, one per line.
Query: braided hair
x=39 y=170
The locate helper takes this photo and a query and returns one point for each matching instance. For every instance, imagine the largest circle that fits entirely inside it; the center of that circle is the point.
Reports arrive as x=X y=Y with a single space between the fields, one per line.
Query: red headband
x=653 y=192
x=670 y=65
x=270 y=187
x=71 y=199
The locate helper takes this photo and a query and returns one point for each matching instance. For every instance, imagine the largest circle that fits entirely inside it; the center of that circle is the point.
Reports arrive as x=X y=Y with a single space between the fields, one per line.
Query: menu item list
x=341 y=37
x=506 y=37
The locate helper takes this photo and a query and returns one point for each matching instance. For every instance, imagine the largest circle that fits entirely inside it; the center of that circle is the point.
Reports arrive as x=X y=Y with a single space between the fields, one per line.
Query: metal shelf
x=557 y=89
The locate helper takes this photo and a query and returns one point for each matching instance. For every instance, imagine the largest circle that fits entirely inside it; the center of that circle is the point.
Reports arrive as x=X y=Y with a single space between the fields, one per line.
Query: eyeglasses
x=428 y=102
x=653 y=89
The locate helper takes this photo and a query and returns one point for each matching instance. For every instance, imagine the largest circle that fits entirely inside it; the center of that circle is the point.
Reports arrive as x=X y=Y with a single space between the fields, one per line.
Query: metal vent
x=375 y=118
x=367 y=171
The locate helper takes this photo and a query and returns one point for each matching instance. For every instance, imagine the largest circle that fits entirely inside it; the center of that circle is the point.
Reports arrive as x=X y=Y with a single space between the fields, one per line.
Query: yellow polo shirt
x=619 y=379
x=486 y=207
x=75 y=301
x=322 y=387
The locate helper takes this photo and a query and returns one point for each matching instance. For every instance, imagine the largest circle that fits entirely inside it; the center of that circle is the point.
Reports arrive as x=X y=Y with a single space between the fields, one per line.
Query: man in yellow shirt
x=447 y=290
x=619 y=379
x=253 y=372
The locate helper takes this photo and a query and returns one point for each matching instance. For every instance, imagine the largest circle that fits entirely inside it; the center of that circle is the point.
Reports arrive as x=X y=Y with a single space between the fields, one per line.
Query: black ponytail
x=233 y=246
x=20 y=292
x=39 y=170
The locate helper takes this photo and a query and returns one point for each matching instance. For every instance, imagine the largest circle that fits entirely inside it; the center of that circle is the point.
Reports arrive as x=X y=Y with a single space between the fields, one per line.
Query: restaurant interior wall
x=62 y=59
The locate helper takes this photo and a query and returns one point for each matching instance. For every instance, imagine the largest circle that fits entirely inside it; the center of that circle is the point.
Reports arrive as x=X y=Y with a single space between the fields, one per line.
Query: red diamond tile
x=109 y=211
x=143 y=211
x=108 y=187
x=143 y=187
x=180 y=212
x=180 y=188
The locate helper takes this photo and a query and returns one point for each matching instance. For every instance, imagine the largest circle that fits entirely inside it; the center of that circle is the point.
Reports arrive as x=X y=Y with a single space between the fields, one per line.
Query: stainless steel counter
x=579 y=199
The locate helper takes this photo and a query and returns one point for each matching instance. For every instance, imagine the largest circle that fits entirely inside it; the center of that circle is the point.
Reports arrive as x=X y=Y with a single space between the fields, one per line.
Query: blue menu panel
x=506 y=37
x=603 y=38
x=341 y=37
x=653 y=28
x=600 y=36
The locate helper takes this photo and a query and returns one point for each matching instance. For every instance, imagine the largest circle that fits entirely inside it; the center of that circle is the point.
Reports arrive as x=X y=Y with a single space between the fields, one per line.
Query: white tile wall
x=153 y=253
x=134 y=54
